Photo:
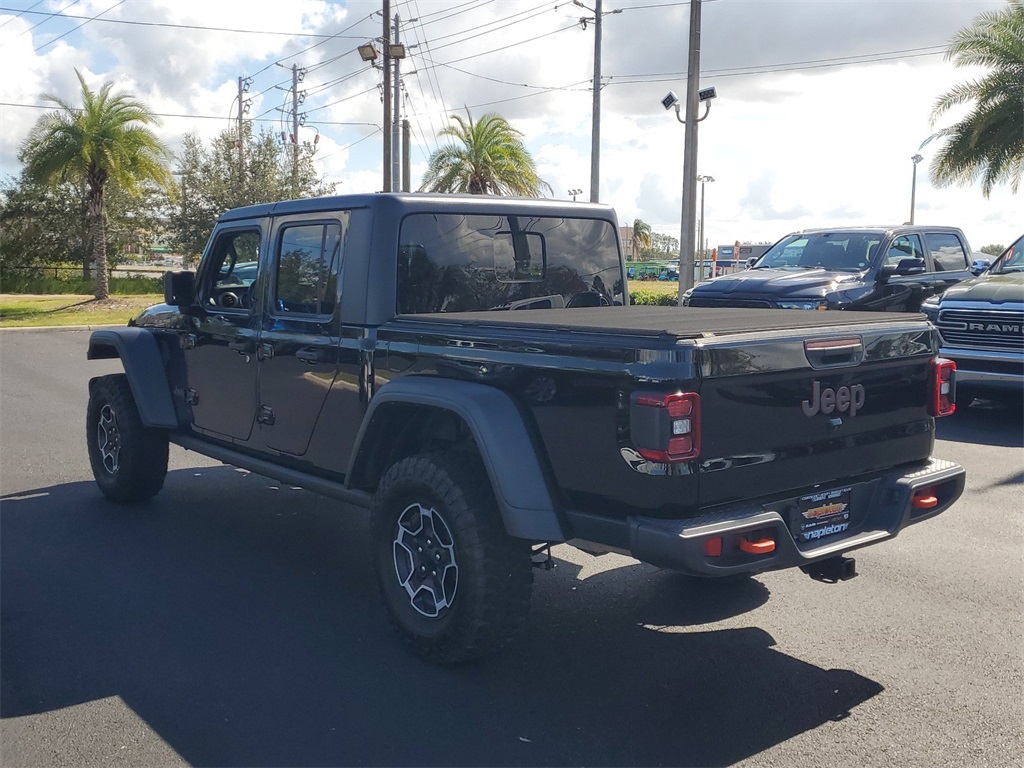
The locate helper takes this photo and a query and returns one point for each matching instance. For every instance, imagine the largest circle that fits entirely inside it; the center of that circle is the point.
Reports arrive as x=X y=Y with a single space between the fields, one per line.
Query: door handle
x=311 y=356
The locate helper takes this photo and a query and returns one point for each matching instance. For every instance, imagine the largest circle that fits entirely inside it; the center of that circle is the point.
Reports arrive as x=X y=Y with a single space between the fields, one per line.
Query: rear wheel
x=129 y=460
x=455 y=584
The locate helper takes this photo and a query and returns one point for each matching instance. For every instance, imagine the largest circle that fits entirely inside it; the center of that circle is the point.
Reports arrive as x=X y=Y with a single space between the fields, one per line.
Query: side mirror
x=180 y=288
x=751 y=262
x=904 y=267
x=979 y=266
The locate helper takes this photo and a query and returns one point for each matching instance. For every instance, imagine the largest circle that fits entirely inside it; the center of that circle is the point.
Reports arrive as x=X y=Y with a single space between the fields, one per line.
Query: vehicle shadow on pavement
x=239 y=619
x=985 y=422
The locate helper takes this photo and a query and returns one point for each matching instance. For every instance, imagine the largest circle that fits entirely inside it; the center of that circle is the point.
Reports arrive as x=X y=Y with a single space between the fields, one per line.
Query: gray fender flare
x=144 y=366
x=506 y=448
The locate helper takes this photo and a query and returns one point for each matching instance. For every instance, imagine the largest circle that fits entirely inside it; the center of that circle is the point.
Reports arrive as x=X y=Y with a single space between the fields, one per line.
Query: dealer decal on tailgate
x=824 y=514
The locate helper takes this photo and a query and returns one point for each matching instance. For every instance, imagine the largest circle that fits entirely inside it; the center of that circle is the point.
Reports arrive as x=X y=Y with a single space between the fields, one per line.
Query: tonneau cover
x=680 y=322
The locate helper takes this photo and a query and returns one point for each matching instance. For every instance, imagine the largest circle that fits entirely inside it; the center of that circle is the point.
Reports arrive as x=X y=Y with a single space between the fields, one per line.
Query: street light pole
x=913 y=186
x=700 y=239
x=686 y=233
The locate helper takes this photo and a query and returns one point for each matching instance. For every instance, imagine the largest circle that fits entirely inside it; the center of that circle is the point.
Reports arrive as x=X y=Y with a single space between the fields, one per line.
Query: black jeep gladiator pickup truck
x=468 y=368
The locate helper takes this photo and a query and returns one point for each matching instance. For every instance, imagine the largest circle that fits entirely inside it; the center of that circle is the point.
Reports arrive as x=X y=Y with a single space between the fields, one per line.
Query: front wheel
x=455 y=584
x=129 y=460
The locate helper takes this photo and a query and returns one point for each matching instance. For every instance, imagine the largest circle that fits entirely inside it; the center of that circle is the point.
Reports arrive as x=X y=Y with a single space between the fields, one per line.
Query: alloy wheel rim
x=424 y=557
x=108 y=438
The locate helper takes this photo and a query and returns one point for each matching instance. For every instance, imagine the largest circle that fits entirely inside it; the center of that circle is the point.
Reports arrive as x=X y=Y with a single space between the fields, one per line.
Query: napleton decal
x=825 y=510
x=844 y=399
x=828 y=530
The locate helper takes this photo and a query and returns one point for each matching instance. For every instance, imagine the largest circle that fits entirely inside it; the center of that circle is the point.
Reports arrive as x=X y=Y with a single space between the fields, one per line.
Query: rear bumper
x=882 y=506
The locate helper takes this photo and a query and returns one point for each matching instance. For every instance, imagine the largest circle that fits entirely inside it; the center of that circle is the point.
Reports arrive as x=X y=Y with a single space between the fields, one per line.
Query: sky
x=821 y=103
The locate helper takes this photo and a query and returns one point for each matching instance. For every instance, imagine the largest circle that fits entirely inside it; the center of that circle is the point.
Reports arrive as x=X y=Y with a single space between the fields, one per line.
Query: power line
x=51 y=42
x=165 y=24
x=546 y=6
x=75 y=2
x=19 y=13
x=839 y=61
x=452 y=12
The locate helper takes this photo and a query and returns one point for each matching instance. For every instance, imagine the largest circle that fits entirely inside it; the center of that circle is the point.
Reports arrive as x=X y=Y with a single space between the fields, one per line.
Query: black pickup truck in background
x=981 y=328
x=468 y=369
x=892 y=269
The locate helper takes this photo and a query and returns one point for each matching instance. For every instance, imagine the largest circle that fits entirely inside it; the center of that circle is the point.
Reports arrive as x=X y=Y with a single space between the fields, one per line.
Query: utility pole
x=387 y=94
x=295 y=130
x=687 y=234
x=242 y=86
x=298 y=74
x=396 y=92
x=406 y=156
x=595 y=131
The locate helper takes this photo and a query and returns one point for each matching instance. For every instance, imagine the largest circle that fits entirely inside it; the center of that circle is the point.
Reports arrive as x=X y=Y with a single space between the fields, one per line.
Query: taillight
x=943 y=394
x=666 y=427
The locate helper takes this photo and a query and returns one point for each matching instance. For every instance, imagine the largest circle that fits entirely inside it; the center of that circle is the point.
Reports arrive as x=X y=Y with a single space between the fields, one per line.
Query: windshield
x=834 y=251
x=1012 y=259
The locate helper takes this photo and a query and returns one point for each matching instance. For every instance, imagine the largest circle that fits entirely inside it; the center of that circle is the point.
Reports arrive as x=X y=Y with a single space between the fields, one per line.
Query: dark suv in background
x=870 y=268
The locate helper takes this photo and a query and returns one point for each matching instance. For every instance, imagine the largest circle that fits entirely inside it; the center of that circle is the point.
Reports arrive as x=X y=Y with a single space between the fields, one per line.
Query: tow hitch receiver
x=833 y=570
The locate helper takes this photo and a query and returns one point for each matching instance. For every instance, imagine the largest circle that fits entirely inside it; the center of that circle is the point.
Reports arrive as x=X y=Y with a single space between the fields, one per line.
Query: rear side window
x=465 y=262
x=307 y=269
x=947 y=252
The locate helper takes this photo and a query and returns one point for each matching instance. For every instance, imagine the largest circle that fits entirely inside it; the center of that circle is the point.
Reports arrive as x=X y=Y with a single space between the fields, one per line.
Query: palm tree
x=488 y=158
x=105 y=140
x=641 y=236
x=989 y=141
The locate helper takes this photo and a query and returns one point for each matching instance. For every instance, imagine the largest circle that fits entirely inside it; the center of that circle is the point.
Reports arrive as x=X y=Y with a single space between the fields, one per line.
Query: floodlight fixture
x=706 y=94
x=367 y=52
x=396 y=50
x=670 y=100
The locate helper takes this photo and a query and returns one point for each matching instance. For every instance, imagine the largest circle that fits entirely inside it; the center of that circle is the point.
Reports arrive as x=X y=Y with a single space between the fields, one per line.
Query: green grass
x=25 y=310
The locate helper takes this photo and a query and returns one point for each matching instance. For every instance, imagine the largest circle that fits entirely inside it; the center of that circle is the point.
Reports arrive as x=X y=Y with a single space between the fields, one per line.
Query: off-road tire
x=129 y=460
x=494 y=572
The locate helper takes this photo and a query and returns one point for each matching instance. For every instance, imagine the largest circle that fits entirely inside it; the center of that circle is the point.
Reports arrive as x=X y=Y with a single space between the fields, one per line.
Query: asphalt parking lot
x=234 y=621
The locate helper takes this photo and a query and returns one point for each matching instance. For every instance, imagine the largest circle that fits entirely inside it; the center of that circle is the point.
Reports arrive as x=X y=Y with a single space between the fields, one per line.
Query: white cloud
x=818 y=145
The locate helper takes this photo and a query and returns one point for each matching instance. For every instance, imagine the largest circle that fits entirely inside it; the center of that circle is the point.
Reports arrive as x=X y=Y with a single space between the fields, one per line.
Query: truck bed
x=674 y=322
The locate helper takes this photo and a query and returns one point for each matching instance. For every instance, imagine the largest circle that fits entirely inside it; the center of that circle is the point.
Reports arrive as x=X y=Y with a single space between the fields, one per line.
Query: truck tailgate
x=782 y=411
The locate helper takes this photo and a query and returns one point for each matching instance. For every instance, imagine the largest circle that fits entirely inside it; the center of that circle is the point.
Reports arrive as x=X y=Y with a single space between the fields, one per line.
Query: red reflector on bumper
x=713 y=546
x=759 y=547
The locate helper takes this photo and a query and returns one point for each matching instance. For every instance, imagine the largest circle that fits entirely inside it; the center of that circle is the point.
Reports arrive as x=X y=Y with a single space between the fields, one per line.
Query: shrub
x=643 y=296
x=56 y=281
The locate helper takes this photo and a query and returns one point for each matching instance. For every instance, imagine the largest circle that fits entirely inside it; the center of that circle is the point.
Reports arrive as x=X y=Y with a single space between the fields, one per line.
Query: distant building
x=733 y=258
x=626 y=235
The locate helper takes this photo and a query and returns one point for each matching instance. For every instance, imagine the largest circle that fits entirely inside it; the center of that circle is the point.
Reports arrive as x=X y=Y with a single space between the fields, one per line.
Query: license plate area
x=823 y=516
